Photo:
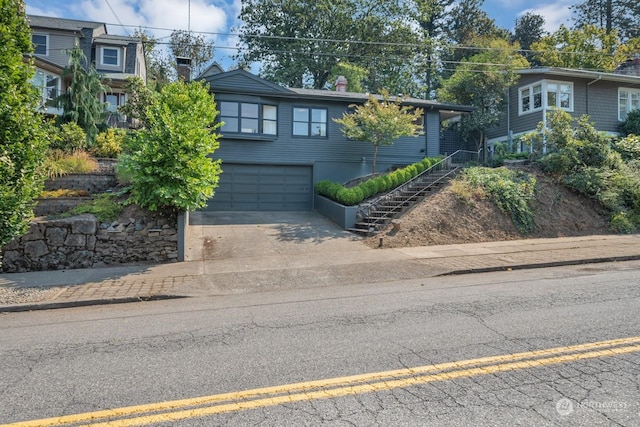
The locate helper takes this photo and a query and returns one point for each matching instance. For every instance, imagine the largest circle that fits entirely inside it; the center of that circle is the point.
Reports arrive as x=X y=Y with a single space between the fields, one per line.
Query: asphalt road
x=529 y=348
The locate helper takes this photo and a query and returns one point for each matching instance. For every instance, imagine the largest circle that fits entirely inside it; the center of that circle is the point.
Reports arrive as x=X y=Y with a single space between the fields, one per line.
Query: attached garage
x=245 y=187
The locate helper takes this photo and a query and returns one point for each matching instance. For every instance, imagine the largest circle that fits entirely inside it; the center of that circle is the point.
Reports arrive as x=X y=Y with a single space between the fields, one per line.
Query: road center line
x=337 y=387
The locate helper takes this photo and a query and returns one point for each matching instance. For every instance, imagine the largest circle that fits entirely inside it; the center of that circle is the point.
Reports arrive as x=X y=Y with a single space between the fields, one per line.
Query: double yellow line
x=335 y=387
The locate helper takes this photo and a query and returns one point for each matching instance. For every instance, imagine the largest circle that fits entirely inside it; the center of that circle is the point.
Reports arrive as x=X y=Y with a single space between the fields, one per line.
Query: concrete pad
x=225 y=235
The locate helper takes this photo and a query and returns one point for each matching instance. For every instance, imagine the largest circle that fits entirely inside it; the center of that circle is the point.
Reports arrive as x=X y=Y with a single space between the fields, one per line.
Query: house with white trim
x=606 y=98
x=115 y=57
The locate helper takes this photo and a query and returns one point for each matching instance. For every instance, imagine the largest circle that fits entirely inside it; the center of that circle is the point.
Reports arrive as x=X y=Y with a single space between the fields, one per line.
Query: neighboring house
x=278 y=142
x=606 y=98
x=114 y=57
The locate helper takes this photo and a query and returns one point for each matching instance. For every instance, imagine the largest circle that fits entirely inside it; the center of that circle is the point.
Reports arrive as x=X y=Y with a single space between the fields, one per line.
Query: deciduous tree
x=588 y=48
x=380 y=122
x=22 y=140
x=483 y=81
x=299 y=43
x=169 y=162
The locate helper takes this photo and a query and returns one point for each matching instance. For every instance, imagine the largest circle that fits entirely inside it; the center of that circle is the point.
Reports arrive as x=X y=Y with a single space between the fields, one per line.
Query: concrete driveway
x=227 y=235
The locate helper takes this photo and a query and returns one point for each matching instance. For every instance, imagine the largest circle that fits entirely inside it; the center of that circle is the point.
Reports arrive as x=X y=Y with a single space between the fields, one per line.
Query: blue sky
x=219 y=17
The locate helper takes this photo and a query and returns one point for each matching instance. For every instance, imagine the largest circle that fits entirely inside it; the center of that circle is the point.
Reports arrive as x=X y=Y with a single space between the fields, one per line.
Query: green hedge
x=373 y=186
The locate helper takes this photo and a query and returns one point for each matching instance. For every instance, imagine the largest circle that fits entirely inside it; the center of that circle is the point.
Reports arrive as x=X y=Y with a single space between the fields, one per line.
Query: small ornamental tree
x=381 y=122
x=22 y=139
x=139 y=99
x=169 y=162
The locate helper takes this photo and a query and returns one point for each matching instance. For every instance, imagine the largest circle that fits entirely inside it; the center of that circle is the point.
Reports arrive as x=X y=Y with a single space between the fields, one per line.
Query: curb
x=15 y=308
x=542 y=265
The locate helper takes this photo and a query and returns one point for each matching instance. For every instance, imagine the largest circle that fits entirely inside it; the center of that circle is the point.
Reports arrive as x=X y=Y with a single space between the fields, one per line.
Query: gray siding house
x=115 y=57
x=278 y=142
x=606 y=97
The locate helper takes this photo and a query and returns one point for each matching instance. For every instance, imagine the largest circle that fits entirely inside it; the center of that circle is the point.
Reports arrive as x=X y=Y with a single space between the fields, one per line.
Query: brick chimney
x=184 y=68
x=341 y=84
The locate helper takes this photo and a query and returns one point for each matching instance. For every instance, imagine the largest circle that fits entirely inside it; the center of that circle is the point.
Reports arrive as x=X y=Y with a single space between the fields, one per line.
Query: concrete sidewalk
x=350 y=263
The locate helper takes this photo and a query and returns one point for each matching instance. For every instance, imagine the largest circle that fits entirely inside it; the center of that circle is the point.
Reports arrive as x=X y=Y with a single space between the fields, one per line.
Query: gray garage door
x=263 y=188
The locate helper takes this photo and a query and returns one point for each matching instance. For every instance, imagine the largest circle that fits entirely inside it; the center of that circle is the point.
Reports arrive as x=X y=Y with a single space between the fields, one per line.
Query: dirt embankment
x=445 y=219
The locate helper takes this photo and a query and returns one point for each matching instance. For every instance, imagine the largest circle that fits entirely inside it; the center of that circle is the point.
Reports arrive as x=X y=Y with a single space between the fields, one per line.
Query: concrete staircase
x=396 y=202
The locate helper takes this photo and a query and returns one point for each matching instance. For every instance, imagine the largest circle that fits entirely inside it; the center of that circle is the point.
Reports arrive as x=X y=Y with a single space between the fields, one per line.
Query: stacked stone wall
x=83 y=242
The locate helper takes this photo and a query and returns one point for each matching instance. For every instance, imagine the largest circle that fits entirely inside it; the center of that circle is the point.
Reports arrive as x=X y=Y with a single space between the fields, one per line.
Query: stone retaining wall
x=83 y=242
x=93 y=183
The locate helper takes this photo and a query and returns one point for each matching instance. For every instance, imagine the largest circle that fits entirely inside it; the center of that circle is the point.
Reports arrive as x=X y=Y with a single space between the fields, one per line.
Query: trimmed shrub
x=109 y=143
x=349 y=196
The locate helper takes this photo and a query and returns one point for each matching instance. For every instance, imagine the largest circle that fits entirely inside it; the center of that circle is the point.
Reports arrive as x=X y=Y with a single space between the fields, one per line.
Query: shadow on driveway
x=219 y=235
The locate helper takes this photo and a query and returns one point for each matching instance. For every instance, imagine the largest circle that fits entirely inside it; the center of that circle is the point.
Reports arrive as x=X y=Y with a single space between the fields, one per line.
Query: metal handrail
x=450 y=164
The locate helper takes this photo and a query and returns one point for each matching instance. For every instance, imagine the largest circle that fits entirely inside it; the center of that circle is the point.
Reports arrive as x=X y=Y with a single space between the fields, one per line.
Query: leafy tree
x=193 y=46
x=483 y=81
x=159 y=69
x=354 y=74
x=139 y=99
x=589 y=48
x=622 y=16
x=467 y=26
x=81 y=102
x=299 y=43
x=380 y=122
x=22 y=141
x=529 y=29
x=168 y=162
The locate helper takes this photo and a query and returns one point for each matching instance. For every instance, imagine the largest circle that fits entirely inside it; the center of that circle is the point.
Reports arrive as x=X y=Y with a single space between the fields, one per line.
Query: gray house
x=115 y=57
x=278 y=142
x=606 y=97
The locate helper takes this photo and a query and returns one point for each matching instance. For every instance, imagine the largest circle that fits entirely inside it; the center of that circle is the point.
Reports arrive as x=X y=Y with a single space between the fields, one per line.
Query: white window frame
x=46 y=44
x=543 y=86
x=45 y=94
x=632 y=102
x=118 y=56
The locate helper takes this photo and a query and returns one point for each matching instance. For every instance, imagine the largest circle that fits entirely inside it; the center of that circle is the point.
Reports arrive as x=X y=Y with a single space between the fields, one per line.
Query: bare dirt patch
x=445 y=219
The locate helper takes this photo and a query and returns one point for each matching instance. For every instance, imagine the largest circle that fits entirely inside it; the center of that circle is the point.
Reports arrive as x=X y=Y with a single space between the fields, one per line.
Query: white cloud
x=555 y=14
x=161 y=16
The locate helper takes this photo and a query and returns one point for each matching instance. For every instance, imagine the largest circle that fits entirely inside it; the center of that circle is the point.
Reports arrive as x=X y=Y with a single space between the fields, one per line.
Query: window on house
x=48 y=86
x=246 y=117
x=113 y=101
x=559 y=95
x=40 y=44
x=310 y=122
x=628 y=100
x=548 y=94
x=110 y=56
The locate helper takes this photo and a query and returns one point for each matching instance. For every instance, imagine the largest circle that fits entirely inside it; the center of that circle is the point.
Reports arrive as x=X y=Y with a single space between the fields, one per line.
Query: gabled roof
x=116 y=40
x=584 y=74
x=231 y=81
x=243 y=82
x=211 y=70
x=36 y=21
